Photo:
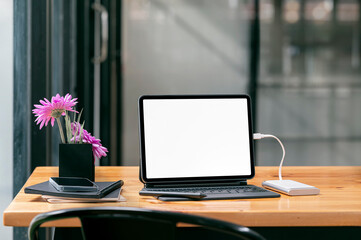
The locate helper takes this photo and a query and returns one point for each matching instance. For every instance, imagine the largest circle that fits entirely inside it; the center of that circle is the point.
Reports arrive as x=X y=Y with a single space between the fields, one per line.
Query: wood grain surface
x=339 y=203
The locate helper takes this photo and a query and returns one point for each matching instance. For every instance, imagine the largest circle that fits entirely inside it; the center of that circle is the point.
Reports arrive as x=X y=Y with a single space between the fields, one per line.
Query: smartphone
x=73 y=184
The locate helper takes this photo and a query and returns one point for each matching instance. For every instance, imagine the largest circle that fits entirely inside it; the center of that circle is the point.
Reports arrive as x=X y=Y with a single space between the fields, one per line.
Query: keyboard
x=217 y=192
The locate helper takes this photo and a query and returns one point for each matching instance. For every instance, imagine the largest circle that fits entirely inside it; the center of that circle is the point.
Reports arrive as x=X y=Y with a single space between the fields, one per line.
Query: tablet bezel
x=142 y=173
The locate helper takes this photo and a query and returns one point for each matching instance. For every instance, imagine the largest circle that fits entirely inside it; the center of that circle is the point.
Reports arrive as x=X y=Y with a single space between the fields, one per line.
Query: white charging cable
x=258 y=136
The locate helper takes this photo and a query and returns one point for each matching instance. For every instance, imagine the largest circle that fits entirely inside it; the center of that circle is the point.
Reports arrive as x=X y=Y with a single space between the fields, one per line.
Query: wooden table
x=339 y=203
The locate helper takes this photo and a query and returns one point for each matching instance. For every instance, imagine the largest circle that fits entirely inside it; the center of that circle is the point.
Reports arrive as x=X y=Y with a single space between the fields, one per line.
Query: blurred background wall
x=308 y=89
x=181 y=47
x=309 y=84
x=6 y=106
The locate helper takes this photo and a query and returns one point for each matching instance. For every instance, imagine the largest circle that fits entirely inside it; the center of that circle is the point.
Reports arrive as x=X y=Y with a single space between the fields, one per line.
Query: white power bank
x=291 y=187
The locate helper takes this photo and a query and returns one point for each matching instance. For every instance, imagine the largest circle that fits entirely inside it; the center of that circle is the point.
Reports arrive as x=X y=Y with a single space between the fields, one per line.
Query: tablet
x=195 y=138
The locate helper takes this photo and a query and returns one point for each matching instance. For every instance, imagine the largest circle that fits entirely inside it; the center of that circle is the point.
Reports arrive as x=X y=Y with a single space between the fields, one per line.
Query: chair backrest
x=137 y=223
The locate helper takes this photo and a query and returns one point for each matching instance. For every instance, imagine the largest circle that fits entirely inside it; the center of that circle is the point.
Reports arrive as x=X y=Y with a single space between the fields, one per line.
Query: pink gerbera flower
x=98 y=150
x=52 y=110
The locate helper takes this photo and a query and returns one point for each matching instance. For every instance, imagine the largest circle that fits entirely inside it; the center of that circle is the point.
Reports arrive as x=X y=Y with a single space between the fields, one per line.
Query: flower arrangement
x=59 y=106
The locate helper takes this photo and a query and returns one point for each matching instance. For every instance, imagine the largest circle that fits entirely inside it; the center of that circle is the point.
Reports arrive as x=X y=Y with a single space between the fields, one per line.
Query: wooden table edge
x=301 y=219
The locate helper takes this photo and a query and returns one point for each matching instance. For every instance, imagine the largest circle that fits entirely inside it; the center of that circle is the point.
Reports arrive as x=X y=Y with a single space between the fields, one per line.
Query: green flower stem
x=60 y=130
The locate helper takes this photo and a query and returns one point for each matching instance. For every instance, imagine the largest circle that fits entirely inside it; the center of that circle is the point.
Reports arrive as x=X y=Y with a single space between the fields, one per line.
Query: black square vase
x=76 y=160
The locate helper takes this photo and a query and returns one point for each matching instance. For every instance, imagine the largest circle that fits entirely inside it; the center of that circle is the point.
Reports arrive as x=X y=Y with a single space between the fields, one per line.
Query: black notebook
x=45 y=188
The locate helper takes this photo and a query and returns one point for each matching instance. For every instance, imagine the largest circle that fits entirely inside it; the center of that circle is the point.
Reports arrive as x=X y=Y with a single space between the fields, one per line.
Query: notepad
x=114 y=196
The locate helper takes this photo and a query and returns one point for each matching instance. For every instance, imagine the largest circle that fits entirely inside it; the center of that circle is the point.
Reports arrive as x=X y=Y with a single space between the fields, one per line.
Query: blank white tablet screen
x=196 y=137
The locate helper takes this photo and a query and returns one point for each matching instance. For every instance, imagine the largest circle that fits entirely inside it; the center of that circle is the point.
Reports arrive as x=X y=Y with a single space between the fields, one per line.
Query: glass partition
x=181 y=47
x=309 y=84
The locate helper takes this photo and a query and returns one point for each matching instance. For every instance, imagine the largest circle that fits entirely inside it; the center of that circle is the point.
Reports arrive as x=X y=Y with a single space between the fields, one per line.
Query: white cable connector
x=257 y=136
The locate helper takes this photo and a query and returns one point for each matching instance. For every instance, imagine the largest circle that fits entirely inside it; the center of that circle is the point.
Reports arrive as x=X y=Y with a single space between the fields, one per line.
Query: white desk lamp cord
x=258 y=136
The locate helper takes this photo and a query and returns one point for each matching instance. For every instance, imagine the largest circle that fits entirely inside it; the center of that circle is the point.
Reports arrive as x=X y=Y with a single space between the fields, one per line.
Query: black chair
x=136 y=223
